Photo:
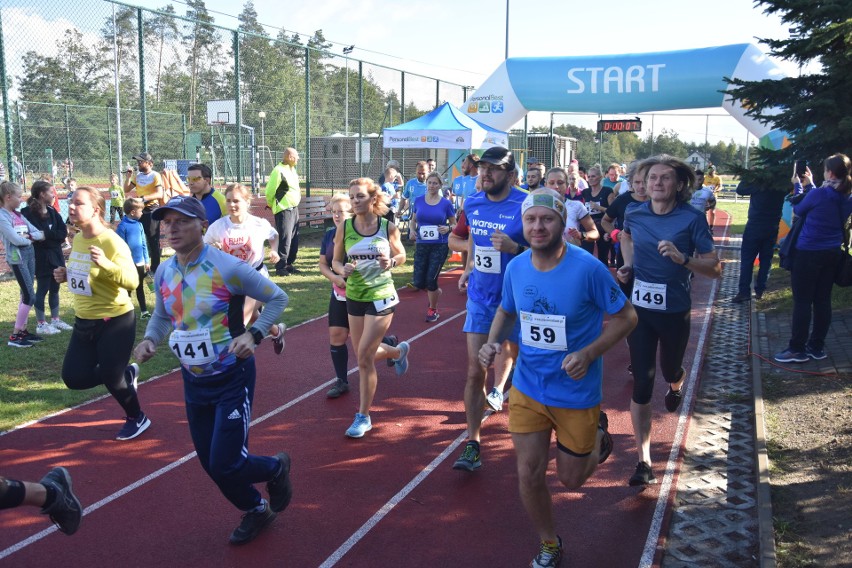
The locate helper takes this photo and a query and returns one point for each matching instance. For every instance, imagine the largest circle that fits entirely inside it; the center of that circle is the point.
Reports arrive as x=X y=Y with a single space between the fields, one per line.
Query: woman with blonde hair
x=101 y=275
x=243 y=235
x=338 y=319
x=365 y=251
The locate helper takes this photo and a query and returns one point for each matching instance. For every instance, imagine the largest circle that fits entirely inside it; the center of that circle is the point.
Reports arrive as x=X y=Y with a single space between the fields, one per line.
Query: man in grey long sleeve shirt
x=200 y=293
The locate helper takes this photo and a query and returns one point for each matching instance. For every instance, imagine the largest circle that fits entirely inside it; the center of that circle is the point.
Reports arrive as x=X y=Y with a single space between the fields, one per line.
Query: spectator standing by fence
x=48 y=255
x=18 y=235
x=283 y=197
x=116 y=199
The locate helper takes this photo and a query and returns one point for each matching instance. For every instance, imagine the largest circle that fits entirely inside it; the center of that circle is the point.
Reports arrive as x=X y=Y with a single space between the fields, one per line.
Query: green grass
x=30 y=381
x=738 y=210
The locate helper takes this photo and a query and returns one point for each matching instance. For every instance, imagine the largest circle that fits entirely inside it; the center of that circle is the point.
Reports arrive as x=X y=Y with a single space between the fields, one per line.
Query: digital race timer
x=634 y=125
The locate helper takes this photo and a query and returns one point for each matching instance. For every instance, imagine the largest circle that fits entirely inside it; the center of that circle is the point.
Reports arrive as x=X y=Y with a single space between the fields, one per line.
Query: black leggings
x=140 y=290
x=152 y=238
x=671 y=332
x=98 y=354
x=602 y=244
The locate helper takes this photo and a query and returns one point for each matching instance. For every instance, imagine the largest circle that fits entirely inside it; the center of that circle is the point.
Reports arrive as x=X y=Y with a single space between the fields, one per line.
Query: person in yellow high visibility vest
x=283 y=197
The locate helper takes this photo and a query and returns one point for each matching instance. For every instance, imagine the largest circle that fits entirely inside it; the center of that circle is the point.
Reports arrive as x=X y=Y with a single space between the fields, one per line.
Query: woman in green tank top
x=365 y=251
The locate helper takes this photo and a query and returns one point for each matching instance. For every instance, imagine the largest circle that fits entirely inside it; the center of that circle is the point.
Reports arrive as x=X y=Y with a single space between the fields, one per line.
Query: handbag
x=787 y=250
x=843 y=274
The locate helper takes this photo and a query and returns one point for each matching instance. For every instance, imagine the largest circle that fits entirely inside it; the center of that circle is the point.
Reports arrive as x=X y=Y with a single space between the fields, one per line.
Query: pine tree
x=814 y=109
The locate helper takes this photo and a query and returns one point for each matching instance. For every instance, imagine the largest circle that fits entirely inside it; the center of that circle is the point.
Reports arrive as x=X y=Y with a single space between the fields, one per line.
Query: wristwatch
x=257 y=334
x=582 y=235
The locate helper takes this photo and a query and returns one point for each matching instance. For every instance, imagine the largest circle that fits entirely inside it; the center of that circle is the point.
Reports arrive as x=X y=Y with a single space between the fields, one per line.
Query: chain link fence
x=66 y=67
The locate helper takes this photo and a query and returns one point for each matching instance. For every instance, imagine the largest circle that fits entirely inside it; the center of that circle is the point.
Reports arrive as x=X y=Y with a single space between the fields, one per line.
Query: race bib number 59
x=544 y=331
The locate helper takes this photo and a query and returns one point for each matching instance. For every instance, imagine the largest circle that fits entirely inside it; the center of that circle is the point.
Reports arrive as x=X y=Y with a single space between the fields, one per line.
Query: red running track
x=389 y=499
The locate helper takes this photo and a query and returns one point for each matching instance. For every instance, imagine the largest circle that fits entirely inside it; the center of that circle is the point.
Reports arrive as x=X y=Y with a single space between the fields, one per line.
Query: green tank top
x=369 y=282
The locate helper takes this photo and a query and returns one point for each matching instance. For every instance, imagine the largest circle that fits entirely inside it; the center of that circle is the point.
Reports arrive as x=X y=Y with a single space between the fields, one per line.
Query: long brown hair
x=39 y=188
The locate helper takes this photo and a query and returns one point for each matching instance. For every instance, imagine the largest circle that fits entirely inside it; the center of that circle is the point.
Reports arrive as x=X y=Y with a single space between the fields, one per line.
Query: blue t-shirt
x=414 y=189
x=429 y=217
x=554 y=324
x=483 y=217
x=327 y=246
x=668 y=283
x=389 y=189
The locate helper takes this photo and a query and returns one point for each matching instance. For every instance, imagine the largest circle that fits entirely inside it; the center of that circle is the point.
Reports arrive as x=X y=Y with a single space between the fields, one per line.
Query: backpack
x=172 y=185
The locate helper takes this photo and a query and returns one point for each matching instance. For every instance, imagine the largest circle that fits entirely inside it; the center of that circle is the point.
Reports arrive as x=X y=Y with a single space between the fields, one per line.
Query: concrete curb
x=766 y=532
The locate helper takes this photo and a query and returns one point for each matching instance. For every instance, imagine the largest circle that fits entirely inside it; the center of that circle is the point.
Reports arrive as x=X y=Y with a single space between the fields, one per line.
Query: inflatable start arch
x=624 y=84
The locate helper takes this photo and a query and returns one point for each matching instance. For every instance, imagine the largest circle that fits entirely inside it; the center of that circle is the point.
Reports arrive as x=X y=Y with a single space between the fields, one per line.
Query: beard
x=497 y=189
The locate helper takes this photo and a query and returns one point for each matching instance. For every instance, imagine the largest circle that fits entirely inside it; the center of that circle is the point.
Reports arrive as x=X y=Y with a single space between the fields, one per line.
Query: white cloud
x=25 y=30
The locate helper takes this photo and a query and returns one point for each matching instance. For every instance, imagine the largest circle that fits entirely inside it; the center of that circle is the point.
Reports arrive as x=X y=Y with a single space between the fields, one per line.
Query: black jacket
x=48 y=253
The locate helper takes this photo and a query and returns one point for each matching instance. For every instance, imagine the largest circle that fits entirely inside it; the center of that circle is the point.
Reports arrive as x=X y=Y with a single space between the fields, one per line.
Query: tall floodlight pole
x=346 y=52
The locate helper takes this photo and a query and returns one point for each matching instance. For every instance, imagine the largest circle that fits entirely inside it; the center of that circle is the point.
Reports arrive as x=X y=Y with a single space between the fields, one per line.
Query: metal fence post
x=239 y=105
x=7 y=121
x=142 y=101
x=183 y=130
x=307 y=122
x=21 y=157
x=402 y=116
x=109 y=139
x=67 y=137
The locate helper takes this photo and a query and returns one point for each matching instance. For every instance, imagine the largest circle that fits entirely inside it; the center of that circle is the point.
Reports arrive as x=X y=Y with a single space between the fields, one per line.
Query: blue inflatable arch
x=624 y=84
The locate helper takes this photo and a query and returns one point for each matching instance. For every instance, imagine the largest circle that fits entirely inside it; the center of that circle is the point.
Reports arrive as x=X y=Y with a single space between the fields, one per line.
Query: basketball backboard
x=221 y=112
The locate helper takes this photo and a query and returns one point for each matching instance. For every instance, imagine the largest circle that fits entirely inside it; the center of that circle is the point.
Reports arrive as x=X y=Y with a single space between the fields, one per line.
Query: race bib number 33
x=487 y=259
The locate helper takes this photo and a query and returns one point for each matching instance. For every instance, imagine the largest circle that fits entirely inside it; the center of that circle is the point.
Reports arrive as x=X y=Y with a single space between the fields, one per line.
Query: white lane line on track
x=338 y=554
x=650 y=549
x=162 y=471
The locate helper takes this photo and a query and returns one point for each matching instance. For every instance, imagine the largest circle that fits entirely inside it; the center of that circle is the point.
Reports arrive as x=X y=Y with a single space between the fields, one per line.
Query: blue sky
x=465 y=42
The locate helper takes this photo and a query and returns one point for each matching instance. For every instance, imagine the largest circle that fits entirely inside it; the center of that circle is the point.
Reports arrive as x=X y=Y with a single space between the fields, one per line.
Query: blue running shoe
x=360 y=426
x=401 y=363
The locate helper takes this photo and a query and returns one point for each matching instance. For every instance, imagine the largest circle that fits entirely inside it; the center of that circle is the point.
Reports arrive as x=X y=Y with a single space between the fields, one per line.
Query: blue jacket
x=826 y=211
x=133 y=233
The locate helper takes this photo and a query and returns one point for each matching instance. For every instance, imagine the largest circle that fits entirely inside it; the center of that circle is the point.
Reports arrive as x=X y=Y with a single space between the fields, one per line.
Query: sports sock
x=340 y=360
x=12 y=493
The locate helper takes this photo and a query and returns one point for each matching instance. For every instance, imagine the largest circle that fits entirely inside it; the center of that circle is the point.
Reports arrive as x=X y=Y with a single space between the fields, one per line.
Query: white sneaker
x=44 y=328
x=60 y=325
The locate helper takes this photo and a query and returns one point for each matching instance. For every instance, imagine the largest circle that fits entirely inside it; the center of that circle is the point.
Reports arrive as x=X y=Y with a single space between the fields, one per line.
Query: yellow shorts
x=576 y=429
